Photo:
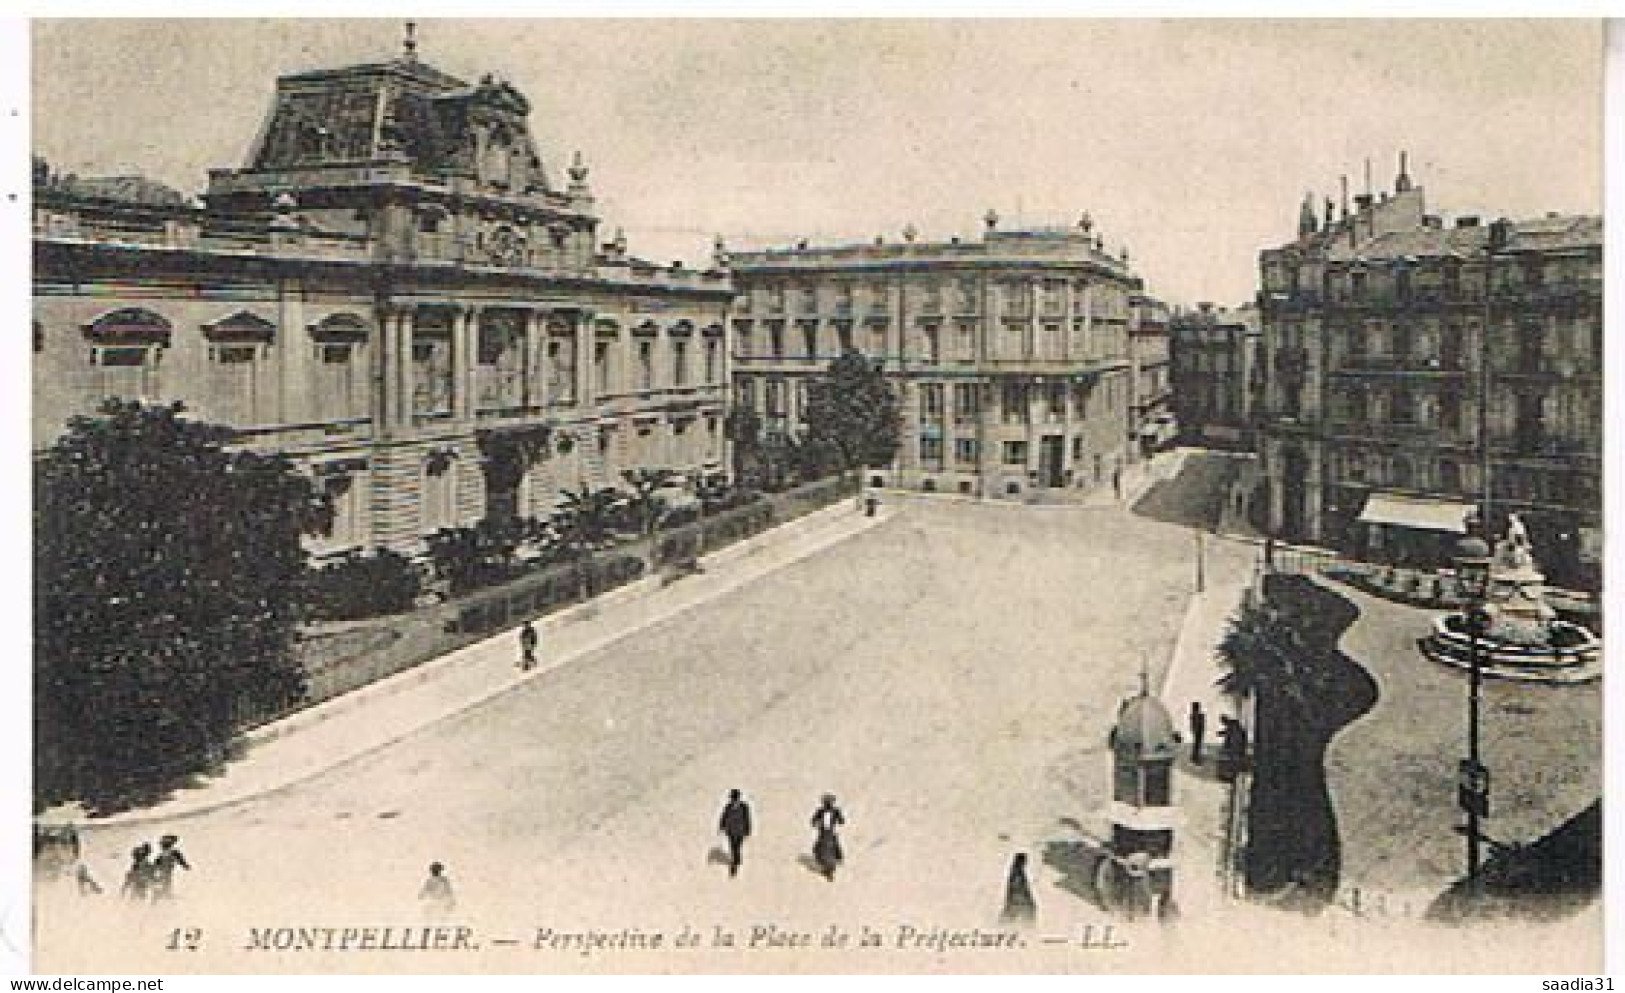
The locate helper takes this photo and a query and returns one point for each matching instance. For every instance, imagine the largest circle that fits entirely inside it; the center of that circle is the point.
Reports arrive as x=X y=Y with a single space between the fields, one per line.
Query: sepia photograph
x=813 y=495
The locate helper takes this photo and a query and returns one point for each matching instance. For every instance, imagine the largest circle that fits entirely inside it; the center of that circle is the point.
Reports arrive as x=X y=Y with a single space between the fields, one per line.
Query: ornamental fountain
x=1522 y=637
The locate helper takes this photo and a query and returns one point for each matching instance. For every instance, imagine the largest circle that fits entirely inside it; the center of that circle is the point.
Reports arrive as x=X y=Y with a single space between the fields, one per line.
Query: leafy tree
x=743 y=427
x=363 y=584
x=645 y=503
x=585 y=521
x=169 y=574
x=471 y=557
x=852 y=413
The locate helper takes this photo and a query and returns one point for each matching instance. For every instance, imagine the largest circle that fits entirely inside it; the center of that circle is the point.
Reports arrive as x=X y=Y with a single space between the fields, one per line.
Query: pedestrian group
x=735 y=825
x=150 y=878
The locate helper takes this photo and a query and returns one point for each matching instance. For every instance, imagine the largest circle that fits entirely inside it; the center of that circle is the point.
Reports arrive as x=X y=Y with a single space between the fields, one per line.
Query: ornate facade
x=1399 y=348
x=1010 y=353
x=1151 y=416
x=1215 y=372
x=394 y=291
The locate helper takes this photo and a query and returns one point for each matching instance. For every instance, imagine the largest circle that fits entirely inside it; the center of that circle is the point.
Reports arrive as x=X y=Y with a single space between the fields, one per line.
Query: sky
x=1190 y=142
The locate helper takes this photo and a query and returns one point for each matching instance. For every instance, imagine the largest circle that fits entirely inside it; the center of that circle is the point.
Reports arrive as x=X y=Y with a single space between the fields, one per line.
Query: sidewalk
x=320 y=738
x=1138 y=478
x=1204 y=801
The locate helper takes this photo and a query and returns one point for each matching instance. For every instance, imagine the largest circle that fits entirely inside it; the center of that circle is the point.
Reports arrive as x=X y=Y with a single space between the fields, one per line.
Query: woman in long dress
x=827 y=848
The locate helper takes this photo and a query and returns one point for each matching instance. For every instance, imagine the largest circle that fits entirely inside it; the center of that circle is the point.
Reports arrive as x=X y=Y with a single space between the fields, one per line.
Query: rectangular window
x=809 y=334
x=744 y=338
x=965 y=451
x=338 y=394
x=775 y=334
x=965 y=340
x=931 y=401
x=600 y=365
x=561 y=365
x=129 y=372
x=967 y=402
x=233 y=383
x=843 y=336
x=1015 y=453
x=679 y=362
x=343 y=497
x=931 y=449
x=646 y=365
x=1013 y=400
x=931 y=339
x=713 y=368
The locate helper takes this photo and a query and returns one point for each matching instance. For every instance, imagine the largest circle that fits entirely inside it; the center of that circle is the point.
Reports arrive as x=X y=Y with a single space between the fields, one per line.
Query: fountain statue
x=1522 y=636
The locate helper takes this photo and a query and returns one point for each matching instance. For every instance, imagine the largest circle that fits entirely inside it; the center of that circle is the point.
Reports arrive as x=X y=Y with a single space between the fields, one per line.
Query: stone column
x=533 y=358
x=464 y=326
x=1033 y=348
x=585 y=394
x=1036 y=398
x=401 y=341
x=294 y=347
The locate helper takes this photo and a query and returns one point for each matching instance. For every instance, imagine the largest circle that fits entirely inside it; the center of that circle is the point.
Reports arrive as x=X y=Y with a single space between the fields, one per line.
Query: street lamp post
x=1472 y=794
x=1201 y=566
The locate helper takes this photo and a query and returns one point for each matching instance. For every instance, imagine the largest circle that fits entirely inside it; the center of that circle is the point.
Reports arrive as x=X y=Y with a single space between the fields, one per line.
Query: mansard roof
x=393 y=111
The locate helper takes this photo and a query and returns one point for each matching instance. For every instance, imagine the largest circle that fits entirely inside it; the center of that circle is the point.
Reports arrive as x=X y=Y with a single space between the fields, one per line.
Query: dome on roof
x=1144 y=730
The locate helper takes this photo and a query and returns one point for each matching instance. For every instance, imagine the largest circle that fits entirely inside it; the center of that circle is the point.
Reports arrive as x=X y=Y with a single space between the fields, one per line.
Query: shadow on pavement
x=1076 y=861
x=1294 y=853
x=1195 y=496
x=1553 y=877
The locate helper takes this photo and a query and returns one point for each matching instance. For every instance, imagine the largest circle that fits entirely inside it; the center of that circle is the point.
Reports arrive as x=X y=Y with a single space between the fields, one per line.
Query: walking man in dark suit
x=527 y=647
x=735 y=825
x=1198 y=729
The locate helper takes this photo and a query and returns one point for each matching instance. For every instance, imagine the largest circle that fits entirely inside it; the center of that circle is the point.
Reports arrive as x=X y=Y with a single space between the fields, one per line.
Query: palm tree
x=645 y=503
x=1260 y=646
x=586 y=517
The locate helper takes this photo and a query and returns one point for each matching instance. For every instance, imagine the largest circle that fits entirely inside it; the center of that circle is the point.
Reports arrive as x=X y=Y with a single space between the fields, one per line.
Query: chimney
x=1432 y=221
x=1500 y=234
x=1467 y=221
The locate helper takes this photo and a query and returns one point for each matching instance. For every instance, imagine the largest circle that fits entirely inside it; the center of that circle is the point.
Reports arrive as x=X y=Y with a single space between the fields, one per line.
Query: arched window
x=126 y=348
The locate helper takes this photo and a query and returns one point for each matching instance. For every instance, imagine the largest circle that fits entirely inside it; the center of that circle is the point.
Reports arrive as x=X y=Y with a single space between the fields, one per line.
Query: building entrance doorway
x=1051 y=456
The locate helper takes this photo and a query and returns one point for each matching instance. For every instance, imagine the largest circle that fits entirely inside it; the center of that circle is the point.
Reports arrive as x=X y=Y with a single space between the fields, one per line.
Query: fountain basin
x=1570 y=653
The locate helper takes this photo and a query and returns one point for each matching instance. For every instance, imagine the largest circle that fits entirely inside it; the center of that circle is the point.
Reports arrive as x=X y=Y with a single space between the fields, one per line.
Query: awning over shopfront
x=1416 y=512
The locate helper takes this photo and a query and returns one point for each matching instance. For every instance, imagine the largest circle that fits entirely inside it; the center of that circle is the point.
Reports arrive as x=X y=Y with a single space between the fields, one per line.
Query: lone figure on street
x=1019 y=907
x=735 y=826
x=827 y=847
x=1198 y=722
x=436 y=896
x=528 y=639
x=164 y=866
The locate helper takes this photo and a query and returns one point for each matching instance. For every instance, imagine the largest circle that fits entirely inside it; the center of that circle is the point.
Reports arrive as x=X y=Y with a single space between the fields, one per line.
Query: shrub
x=359 y=585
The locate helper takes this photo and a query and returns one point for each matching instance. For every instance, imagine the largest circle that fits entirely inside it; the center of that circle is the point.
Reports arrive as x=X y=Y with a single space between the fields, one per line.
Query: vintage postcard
x=817 y=496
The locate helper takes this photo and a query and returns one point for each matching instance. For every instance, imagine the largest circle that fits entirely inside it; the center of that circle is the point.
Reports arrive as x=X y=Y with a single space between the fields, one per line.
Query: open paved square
x=950 y=676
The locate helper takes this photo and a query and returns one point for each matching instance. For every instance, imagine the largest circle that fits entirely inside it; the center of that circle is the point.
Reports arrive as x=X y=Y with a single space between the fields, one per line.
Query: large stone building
x=1010 y=352
x=1387 y=332
x=394 y=290
x=1216 y=375
x=1151 y=416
